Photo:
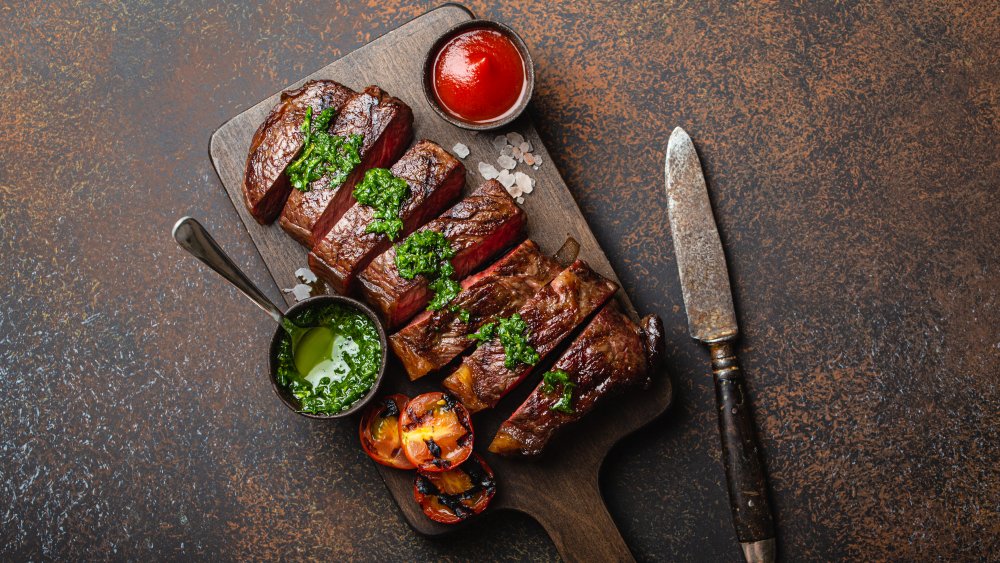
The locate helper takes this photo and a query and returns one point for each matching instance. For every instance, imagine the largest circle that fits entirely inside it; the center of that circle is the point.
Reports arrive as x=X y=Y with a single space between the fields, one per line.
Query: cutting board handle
x=582 y=528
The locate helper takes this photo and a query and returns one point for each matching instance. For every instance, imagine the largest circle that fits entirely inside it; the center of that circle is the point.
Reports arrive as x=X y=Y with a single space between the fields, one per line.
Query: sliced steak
x=551 y=315
x=609 y=355
x=435 y=179
x=278 y=141
x=477 y=229
x=386 y=126
x=435 y=338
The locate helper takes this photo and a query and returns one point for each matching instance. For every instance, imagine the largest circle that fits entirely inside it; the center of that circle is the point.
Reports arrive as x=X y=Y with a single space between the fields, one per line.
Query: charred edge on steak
x=653 y=341
x=482 y=380
x=608 y=357
x=386 y=126
x=435 y=179
x=434 y=339
x=278 y=141
x=477 y=228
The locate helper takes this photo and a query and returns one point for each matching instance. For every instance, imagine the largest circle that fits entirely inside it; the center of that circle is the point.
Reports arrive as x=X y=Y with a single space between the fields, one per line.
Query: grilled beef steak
x=435 y=338
x=609 y=355
x=551 y=315
x=386 y=126
x=477 y=229
x=435 y=179
x=278 y=140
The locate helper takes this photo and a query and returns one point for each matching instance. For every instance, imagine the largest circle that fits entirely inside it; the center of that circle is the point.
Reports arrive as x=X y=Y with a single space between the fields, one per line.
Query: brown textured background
x=852 y=153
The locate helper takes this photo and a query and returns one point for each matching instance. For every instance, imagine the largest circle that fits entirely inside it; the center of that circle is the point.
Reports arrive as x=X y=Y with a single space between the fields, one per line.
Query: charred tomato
x=452 y=496
x=380 y=432
x=435 y=432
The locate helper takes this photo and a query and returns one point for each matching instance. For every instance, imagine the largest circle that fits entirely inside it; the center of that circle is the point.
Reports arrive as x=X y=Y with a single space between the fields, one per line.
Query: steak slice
x=386 y=126
x=610 y=355
x=435 y=179
x=278 y=141
x=435 y=338
x=477 y=228
x=551 y=315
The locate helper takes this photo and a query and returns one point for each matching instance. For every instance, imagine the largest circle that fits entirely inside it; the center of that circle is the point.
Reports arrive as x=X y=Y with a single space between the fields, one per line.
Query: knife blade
x=700 y=260
x=708 y=301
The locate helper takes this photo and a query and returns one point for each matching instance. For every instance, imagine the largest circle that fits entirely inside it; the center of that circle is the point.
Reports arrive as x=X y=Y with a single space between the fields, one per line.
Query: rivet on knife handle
x=741 y=457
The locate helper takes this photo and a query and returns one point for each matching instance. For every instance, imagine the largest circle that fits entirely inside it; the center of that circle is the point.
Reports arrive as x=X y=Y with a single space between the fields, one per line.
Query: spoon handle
x=195 y=239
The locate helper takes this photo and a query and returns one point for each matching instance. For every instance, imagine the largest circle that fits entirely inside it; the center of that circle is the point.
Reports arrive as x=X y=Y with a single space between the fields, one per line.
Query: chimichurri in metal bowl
x=336 y=364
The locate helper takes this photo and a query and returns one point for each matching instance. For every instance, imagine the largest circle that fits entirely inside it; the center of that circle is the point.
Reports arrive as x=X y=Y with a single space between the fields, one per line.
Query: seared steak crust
x=435 y=338
x=478 y=228
x=386 y=126
x=435 y=179
x=551 y=315
x=278 y=141
x=608 y=356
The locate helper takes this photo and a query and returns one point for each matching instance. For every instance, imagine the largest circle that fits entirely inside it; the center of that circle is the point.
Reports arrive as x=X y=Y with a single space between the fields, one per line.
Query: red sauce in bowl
x=479 y=76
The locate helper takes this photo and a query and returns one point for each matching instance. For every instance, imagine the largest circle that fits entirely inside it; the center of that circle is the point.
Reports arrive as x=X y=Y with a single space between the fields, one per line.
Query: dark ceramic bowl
x=529 y=75
x=319 y=301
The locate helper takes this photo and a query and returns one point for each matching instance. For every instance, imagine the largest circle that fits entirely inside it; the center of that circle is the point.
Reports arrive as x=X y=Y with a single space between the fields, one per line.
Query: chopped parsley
x=485 y=332
x=323 y=154
x=384 y=193
x=428 y=253
x=513 y=335
x=445 y=289
x=558 y=377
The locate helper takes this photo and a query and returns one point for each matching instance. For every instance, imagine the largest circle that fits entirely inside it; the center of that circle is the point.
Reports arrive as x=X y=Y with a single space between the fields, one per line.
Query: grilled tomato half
x=435 y=431
x=454 y=495
x=380 y=432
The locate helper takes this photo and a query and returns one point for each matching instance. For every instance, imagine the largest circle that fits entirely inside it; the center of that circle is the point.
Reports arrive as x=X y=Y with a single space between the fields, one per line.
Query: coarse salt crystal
x=488 y=171
x=529 y=158
x=499 y=142
x=523 y=182
x=460 y=150
x=538 y=160
x=515 y=138
x=300 y=291
x=506 y=178
x=514 y=191
x=507 y=150
x=525 y=146
x=305 y=275
x=516 y=153
x=520 y=200
x=506 y=162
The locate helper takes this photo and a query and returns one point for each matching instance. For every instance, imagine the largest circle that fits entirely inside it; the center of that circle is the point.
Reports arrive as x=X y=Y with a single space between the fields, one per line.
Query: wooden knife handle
x=740 y=450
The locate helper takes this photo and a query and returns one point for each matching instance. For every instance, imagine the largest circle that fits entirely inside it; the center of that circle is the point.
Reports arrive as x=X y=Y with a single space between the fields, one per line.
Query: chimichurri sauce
x=334 y=365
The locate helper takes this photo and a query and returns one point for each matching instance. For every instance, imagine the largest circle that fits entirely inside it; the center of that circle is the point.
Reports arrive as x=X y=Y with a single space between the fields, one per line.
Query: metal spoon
x=193 y=237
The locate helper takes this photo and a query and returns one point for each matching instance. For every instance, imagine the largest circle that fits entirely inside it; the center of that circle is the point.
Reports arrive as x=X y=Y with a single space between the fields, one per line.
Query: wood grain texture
x=851 y=154
x=549 y=490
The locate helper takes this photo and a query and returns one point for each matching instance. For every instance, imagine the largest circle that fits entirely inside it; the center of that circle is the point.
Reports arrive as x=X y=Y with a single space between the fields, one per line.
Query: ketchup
x=479 y=76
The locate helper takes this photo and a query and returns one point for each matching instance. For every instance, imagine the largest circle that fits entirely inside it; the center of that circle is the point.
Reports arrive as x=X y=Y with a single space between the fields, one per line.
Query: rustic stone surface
x=851 y=151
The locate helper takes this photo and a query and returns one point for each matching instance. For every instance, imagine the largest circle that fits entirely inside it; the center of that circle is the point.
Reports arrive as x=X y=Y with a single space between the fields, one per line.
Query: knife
x=712 y=320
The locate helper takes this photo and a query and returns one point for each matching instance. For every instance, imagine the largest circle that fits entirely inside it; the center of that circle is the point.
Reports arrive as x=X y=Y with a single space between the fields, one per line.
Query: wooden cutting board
x=560 y=490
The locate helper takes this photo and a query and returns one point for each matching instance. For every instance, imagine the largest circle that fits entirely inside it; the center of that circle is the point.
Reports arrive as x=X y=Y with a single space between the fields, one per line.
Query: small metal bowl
x=319 y=301
x=529 y=75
